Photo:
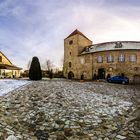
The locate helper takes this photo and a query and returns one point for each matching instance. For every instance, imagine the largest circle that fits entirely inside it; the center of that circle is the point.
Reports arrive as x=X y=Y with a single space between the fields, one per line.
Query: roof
x=77 y=32
x=9 y=67
x=116 y=45
x=6 y=58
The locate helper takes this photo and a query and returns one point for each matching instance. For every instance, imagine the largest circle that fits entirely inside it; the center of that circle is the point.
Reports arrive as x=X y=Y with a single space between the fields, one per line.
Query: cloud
x=30 y=28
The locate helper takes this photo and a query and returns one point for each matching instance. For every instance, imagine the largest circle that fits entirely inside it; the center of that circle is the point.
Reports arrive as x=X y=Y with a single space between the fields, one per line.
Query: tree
x=51 y=74
x=35 y=72
x=29 y=64
x=49 y=65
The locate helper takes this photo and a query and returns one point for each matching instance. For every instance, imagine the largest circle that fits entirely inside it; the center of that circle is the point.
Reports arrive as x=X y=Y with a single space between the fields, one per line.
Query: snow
x=7 y=85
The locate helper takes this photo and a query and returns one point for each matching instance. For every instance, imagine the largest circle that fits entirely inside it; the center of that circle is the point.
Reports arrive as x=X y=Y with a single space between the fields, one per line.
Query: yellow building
x=81 y=57
x=7 y=69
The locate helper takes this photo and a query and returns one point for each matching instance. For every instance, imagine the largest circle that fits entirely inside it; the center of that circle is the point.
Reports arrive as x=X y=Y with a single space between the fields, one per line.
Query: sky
x=38 y=27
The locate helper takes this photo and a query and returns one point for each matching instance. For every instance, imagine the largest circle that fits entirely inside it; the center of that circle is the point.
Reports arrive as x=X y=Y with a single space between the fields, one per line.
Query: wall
x=127 y=67
x=79 y=43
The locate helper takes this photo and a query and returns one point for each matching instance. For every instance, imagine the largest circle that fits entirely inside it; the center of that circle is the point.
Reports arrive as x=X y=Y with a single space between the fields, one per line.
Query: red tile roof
x=77 y=32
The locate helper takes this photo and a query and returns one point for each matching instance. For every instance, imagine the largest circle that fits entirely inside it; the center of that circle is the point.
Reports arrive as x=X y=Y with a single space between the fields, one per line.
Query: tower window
x=133 y=58
x=0 y=58
x=100 y=59
x=110 y=58
x=70 y=64
x=70 y=42
x=121 y=58
x=70 y=53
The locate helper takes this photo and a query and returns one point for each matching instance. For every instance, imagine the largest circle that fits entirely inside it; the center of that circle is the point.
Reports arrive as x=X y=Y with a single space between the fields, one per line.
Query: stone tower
x=74 y=44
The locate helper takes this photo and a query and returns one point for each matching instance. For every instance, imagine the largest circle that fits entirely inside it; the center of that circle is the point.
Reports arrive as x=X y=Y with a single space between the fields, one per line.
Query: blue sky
x=37 y=28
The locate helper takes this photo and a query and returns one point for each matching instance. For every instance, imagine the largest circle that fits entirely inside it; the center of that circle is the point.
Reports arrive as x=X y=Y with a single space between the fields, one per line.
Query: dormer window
x=87 y=49
x=70 y=42
x=118 y=45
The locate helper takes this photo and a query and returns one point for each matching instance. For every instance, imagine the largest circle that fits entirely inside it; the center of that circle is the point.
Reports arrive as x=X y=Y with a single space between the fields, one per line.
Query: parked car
x=118 y=79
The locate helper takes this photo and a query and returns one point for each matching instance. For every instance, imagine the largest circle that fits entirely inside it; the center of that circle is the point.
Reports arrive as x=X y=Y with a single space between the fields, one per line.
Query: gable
x=5 y=60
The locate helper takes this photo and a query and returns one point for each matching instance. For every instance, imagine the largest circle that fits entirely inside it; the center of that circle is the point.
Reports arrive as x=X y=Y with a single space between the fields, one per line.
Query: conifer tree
x=35 y=72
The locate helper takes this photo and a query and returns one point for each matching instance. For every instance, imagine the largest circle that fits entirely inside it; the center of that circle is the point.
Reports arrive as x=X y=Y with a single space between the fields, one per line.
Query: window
x=110 y=58
x=133 y=58
x=70 y=53
x=70 y=42
x=121 y=58
x=70 y=64
x=0 y=58
x=100 y=59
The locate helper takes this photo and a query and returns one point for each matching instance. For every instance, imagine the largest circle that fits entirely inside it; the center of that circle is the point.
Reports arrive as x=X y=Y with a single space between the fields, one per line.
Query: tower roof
x=77 y=32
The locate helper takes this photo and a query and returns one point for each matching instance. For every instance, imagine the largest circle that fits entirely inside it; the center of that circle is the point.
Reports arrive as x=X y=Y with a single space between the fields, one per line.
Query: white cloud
x=39 y=27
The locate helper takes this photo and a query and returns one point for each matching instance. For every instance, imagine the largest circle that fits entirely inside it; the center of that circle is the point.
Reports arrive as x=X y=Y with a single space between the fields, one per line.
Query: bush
x=58 y=74
x=35 y=70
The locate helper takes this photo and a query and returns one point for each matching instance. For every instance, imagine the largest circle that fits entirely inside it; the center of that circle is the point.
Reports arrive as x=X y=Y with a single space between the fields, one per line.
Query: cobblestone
x=59 y=110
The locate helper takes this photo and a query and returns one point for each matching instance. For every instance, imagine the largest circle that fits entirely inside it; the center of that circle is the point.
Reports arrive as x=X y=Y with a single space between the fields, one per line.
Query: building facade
x=7 y=69
x=82 y=58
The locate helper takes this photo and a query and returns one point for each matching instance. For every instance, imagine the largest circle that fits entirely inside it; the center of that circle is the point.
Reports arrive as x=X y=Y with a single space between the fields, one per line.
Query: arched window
x=121 y=58
x=70 y=64
x=0 y=58
x=133 y=58
x=110 y=58
x=100 y=59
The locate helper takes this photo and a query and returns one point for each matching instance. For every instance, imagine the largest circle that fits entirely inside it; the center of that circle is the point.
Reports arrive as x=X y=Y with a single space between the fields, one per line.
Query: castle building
x=7 y=69
x=84 y=59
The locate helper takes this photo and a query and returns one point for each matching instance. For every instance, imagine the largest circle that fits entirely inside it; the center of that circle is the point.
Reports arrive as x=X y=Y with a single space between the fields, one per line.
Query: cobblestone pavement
x=68 y=110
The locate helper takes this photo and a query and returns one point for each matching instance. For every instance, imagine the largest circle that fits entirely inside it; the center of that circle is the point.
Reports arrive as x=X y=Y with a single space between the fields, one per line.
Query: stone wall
x=71 y=54
x=115 y=68
x=87 y=64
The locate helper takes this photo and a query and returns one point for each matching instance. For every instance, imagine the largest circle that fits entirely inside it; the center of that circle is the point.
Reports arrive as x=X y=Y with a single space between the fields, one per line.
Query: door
x=70 y=75
x=101 y=73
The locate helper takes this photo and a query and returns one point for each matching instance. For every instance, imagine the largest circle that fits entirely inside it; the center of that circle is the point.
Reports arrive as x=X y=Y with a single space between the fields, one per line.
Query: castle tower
x=74 y=44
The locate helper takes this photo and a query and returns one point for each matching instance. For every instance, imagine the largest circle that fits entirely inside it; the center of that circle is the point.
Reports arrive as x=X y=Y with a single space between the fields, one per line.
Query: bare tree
x=61 y=61
x=29 y=64
x=49 y=65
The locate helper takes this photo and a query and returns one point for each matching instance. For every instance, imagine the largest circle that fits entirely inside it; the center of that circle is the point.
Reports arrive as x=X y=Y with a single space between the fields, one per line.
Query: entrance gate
x=101 y=73
x=70 y=75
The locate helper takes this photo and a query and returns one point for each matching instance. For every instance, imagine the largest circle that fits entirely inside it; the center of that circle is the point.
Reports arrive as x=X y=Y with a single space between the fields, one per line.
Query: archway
x=101 y=73
x=70 y=75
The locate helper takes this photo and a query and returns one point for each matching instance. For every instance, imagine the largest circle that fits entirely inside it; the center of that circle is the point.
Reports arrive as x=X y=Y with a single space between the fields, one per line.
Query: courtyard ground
x=69 y=110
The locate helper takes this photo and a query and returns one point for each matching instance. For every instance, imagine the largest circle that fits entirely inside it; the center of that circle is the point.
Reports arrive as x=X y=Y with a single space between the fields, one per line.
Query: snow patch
x=7 y=85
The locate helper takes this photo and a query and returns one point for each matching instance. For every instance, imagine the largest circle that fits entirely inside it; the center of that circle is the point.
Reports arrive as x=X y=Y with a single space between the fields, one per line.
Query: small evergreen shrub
x=35 y=72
